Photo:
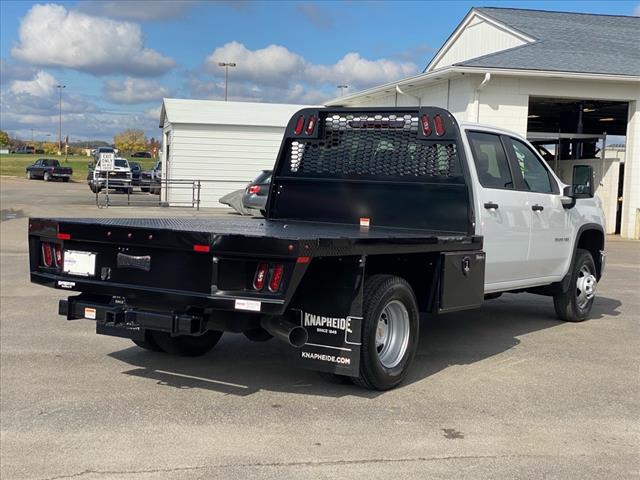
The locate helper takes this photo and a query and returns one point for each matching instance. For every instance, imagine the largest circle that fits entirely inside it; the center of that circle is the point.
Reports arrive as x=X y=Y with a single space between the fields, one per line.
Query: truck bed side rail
x=396 y=167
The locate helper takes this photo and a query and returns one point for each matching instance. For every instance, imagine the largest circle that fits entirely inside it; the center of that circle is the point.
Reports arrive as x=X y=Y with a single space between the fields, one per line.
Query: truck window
x=535 y=175
x=490 y=160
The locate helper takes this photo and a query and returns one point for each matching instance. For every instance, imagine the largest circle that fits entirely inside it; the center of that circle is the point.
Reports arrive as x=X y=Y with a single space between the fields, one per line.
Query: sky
x=118 y=59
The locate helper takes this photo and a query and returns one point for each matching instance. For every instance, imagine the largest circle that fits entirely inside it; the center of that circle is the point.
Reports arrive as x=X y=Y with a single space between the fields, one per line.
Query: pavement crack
x=122 y=472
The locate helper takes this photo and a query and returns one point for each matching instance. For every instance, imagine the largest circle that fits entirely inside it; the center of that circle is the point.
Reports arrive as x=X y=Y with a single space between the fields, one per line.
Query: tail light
x=47 y=255
x=311 y=124
x=299 y=125
x=276 y=278
x=426 y=125
x=439 y=123
x=58 y=255
x=261 y=276
x=254 y=189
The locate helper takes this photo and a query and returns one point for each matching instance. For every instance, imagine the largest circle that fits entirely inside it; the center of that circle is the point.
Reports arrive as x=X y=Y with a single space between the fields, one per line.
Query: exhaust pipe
x=293 y=334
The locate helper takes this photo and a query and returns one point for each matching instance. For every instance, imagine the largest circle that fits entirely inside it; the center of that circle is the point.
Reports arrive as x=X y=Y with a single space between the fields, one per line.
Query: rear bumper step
x=121 y=321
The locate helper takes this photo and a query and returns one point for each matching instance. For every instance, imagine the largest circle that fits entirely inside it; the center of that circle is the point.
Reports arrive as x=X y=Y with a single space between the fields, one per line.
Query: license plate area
x=78 y=263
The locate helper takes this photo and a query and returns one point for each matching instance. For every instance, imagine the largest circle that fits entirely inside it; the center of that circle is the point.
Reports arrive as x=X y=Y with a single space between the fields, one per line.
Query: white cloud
x=42 y=85
x=276 y=74
x=354 y=70
x=14 y=71
x=141 y=10
x=273 y=64
x=134 y=90
x=51 y=35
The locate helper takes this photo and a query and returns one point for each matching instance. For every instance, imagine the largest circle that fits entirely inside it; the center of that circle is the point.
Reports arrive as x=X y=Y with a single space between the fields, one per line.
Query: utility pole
x=60 y=87
x=226 y=66
x=342 y=88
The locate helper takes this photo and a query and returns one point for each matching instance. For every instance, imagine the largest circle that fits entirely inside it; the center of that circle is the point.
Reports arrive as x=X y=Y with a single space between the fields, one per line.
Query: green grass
x=14 y=165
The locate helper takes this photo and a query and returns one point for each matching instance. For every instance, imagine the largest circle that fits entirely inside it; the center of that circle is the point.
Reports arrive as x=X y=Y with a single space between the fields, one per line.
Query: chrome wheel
x=585 y=286
x=392 y=333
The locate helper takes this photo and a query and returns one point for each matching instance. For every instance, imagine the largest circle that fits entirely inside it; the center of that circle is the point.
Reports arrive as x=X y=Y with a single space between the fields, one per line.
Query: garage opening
x=570 y=132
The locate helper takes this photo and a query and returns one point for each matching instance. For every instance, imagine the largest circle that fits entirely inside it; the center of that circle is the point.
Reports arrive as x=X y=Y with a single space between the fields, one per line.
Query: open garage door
x=569 y=132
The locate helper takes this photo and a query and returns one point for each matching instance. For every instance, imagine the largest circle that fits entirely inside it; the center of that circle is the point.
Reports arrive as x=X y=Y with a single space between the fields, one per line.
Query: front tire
x=575 y=304
x=29 y=177
x=390 y=332
x=187 y=345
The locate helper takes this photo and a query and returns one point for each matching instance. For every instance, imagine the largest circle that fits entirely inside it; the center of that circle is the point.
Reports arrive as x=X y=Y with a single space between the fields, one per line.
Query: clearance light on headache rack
x=311 y=124
x=426 y=125
x=201 y=248
x=58 y=255
x=261 y=276
x=299 y=125
x=47 y=255
x=439 y=125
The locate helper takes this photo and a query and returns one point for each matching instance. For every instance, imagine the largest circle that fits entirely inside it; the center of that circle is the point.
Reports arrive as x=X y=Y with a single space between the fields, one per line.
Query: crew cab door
x=503 y=211
x=550 y=244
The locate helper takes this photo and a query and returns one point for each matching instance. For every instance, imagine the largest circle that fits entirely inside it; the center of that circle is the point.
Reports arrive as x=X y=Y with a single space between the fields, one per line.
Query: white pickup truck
x=373 y=215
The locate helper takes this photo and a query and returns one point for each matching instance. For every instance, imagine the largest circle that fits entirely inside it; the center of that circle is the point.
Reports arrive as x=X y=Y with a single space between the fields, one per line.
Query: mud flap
x=328 y=304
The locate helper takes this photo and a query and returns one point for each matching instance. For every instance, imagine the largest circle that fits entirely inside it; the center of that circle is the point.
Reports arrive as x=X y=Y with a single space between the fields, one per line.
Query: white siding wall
x=224 y=157
x=477 y=39
x=631 y=202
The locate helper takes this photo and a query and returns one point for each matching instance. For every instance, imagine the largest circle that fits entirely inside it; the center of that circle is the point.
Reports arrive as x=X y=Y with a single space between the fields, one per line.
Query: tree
x=130 y=140
x=4 y=138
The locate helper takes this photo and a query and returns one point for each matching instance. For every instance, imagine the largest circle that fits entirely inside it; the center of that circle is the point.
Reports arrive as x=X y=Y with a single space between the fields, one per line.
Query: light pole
x=226 y=66
x=60 y=87
x=342 y=87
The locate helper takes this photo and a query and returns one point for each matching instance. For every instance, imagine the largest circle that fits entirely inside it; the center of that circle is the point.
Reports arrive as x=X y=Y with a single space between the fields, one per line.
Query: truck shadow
x=240 y=367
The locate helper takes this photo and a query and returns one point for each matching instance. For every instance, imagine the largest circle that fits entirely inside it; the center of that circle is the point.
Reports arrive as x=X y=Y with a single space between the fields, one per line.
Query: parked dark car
x=150 y=179
x=142 y=155
x=136 y=172
x=25 y=149
x=257 y=192
x=48 y=169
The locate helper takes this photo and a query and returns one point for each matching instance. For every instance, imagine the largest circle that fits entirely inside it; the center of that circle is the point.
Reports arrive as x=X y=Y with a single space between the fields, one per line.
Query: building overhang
x=424 y=79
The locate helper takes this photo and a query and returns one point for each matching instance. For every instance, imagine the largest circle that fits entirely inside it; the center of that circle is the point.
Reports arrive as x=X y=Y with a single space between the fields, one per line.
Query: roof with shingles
x=567 y=42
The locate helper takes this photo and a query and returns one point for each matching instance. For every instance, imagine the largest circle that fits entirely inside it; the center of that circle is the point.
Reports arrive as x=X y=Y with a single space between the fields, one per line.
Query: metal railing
x=155 y=194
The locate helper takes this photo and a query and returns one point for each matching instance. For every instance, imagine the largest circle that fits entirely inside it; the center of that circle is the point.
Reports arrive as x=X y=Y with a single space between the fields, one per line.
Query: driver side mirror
x=582 y=184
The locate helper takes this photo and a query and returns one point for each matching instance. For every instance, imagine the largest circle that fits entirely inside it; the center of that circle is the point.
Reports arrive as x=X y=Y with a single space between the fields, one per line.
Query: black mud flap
x=328 y=304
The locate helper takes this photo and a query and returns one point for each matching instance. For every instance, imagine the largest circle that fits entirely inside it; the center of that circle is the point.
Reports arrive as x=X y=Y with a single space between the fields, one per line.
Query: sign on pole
x=107 y=161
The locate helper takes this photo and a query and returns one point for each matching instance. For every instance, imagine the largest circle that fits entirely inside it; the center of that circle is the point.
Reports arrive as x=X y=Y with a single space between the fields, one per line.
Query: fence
x=189 y=194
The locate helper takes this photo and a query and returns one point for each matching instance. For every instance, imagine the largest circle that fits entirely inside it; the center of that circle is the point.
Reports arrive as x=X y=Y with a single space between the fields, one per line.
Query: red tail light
x=426 y=125
x=299 y=125
x=439 y=125
x=58 y=255
x=311 y=124
x=47 y=255
x=254 y=189
x=261 y=276
x=276 y=278
x=202 y=248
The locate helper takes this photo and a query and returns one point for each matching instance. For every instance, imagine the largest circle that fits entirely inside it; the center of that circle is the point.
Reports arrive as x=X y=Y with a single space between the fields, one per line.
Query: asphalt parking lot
x=506 y=391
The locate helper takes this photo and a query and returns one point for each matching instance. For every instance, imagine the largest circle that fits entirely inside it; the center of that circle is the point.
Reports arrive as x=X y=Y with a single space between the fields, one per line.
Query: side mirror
x=582 y=184
x=568 y=200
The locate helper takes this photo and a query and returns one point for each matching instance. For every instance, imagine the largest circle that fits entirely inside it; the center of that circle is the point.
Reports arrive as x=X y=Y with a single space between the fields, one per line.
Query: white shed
x=224 y=145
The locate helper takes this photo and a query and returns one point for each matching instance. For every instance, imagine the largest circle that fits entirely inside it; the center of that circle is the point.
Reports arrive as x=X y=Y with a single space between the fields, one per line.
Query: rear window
x=264 y=177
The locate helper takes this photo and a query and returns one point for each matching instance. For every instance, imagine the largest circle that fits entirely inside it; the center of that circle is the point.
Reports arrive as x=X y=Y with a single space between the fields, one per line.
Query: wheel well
x=593 y=241
x=418 y=269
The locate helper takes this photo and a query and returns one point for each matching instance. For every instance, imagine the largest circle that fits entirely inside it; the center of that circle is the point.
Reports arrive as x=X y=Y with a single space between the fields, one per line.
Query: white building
x=540 y=74
x=224 y=145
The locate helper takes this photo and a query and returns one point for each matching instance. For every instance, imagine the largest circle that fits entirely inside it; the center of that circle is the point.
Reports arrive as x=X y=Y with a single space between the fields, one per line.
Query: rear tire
x=187 y=345
x=575 y=304
x=65 y=179
x=47 y=177
x=390 y=332
x=148 y=343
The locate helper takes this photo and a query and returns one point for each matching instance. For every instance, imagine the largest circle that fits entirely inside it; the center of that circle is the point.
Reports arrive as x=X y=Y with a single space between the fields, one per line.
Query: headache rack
x=399 y=167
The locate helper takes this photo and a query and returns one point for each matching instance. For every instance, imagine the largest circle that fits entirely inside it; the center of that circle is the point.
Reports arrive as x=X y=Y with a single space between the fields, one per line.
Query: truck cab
x=531 y=222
